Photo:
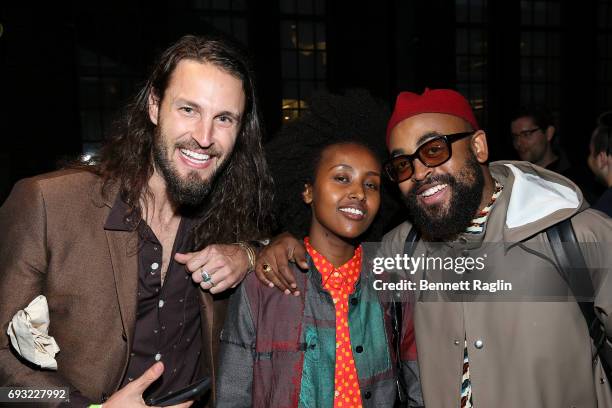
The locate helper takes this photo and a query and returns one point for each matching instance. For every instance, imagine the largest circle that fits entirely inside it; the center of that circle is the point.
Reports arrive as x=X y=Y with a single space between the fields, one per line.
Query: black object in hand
x=192 y=391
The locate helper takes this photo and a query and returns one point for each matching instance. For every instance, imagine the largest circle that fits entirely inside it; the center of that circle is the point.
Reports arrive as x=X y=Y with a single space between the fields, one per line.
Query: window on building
x=540 y=79
x=107 y=80
x=604 y=45
x=105 y=84
x=303 y=53
x=226 y=16
x=471 y=53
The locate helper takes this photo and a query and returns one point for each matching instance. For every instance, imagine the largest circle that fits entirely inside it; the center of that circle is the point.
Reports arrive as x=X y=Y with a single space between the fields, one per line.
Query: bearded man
x=106 y=243
x=496 y=353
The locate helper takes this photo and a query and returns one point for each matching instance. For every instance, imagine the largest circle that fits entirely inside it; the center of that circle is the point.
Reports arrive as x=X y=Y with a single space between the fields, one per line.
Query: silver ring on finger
x=205 y=276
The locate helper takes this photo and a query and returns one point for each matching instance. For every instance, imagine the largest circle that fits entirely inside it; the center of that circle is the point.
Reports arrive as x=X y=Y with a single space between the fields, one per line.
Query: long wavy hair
x=238 y=206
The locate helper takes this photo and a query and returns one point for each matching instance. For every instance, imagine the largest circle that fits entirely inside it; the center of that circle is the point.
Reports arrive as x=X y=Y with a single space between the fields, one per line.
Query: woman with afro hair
x=334 y=343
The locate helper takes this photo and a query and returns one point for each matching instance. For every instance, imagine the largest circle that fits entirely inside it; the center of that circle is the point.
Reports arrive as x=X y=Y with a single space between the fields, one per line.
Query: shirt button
x=336 y=274
x=367 y=395
x=157 y=357
x=337 y=393
x=160 y=303
x=154 y=265
x=354 y=301
x=359 y=349
x=479 y=344
x=456 y=342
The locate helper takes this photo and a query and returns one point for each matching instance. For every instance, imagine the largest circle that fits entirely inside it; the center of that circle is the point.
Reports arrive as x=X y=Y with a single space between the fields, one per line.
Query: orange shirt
x=340 y=283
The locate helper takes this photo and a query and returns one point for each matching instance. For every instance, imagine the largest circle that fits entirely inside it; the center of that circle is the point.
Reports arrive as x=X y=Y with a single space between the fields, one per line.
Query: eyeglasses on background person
x=525 y=133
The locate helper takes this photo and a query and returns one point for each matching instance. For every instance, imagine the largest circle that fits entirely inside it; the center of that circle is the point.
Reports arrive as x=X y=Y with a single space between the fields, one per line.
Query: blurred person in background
x=600 y=160
x=533 y=134
x=536 y=140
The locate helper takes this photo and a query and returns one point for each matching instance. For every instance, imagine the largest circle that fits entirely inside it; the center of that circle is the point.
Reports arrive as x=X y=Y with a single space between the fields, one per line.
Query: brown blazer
x=54 y=243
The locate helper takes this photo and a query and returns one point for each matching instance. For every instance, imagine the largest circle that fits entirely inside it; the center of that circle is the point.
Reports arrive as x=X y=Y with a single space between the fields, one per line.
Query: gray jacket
x=521 y=353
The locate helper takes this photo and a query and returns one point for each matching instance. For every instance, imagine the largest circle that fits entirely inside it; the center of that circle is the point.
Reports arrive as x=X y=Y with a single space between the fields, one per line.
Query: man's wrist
x=251 y=254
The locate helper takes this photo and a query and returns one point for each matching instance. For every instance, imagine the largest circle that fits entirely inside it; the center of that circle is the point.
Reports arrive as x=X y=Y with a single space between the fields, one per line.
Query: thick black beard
x=186 y=193
x=466 y=196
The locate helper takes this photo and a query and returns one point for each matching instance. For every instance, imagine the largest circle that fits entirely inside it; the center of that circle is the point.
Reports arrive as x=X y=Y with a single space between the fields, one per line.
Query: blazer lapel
x=122 y=239
x=124 y=258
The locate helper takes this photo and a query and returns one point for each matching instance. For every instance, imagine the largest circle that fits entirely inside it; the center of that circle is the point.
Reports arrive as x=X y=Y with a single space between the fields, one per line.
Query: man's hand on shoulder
x=217 y=267
x=272 y=266
x=131 y=395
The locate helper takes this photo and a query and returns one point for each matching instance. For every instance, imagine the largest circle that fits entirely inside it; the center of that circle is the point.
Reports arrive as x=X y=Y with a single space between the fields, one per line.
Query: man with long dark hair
x=107 y=243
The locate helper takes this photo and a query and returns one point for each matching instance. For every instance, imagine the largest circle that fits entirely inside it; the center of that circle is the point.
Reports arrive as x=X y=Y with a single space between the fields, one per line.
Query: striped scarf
x=477 y=224
x=476 y=227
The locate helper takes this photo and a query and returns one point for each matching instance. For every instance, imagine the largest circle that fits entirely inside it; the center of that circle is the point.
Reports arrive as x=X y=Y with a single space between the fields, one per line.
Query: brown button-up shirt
x=168 y=326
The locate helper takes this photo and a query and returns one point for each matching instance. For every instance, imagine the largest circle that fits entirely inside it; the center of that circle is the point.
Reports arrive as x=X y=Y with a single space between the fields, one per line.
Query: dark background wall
x=66 y=69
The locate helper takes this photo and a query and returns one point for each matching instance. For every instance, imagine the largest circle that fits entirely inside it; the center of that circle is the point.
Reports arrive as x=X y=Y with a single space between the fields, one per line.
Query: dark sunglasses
x=432 y=153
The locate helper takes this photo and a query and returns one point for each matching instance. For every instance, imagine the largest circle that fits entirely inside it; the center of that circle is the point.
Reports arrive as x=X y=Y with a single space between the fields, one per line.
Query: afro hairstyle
x=294 y=153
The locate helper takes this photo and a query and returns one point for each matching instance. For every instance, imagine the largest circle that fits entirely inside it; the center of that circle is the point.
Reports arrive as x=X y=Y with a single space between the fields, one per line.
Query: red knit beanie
x=431 y=101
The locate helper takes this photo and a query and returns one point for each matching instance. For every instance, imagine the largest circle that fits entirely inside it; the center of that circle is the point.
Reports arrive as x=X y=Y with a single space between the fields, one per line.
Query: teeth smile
x=433 y=190
x=195 y=156
x=351 y=211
